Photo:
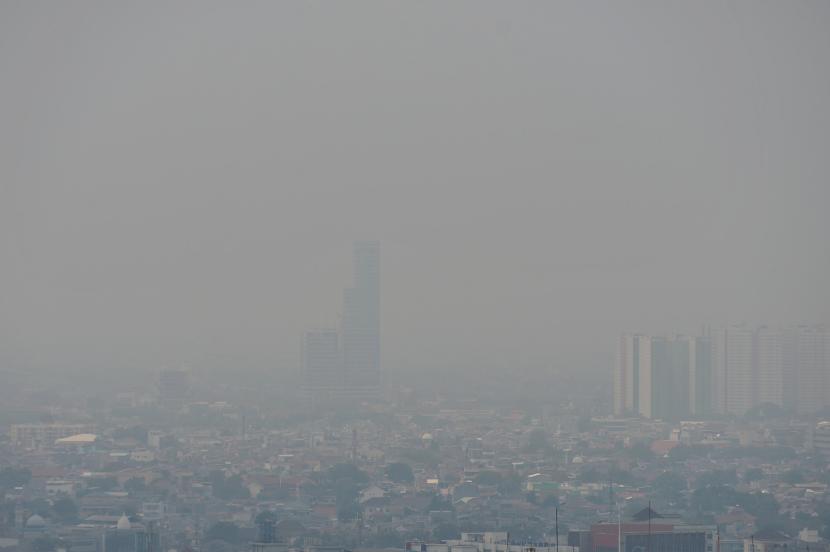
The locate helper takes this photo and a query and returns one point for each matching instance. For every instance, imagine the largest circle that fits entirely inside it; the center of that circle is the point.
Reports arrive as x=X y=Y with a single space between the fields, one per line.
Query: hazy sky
x=181 y=182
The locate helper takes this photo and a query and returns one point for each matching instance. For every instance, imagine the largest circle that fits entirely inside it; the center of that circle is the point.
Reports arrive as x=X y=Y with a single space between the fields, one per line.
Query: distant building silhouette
x=320 y=358
x=787 y=367
x=173 y=386
x=361 y=322
x=341 y=368
x=660 y=377
x=730 y=370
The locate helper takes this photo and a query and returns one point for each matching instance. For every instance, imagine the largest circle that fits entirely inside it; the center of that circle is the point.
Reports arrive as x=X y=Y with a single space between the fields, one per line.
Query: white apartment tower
x=733 y=368
x=770 y=365
x=662 y=377
x=632 y=378
x=811 y=368
x=783 y=366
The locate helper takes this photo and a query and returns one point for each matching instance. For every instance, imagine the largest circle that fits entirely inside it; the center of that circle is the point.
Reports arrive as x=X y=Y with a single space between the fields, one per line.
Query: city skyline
x=346 y=364
x=416 y=276
x=541 y=179
x=724 y=371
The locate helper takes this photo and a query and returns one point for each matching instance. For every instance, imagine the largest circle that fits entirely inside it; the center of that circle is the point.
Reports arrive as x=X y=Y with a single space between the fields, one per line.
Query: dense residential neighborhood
x=177 y=473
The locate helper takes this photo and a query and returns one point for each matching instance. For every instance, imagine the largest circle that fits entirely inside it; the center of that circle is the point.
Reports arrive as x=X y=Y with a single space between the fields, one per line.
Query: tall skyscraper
x=341 y=368
x=770 y=366
x=733 y=363
x=728 y=371
x=173 y=386
x=700 y=376
x=320 y=357
x=361 y=322
x=632 y=378
x=784 y=366
x=811 y=368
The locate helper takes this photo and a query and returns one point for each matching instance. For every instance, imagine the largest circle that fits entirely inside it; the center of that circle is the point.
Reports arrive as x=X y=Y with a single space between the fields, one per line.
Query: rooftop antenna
x=648 y=542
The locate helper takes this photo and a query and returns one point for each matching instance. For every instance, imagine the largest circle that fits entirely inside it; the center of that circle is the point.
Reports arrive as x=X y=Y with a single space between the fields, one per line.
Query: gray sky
x=181 y=181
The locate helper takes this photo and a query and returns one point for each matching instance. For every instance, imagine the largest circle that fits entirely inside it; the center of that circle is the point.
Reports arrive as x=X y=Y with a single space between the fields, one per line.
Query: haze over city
x=365 y=276
x=182 y=182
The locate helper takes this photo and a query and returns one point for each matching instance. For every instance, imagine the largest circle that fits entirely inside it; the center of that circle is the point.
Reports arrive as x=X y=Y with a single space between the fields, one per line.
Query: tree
x=793 y=477
x=713 y=498
x=136 y=432
x=669 y=485
x=345 y=491
x=551 y=501
x=225 y=531
x=640 y=452
x=764 y=411
x=348 y=512
x=400 y=472
x=135 y=485
x=218 y=546
x=682 y=453
x=228 y=488
x=584 y=424
x=346 y=480
x=265 y=516
x=14 y=477
x=439 y=504
x=40 y=506
x=105 y=483
x=589 y=474
x=753 y=474
x=622 y=477
x=717 y=477
x=46 y=544
x=65 y=509
x=537 y=441
x=488 y=477
x=386 y=538
x=347 y=471
x=717 y=498
x=511 y=484
x=445 y=531
x=421 y=456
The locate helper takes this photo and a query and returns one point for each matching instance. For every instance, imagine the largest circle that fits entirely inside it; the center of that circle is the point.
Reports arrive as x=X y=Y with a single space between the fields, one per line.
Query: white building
x=662 y=377
x=632 y=377
x=811 y=368
x=770 y=347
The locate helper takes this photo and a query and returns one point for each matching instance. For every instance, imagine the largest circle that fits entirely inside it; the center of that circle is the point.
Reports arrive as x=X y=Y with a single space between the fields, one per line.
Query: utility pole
x=610 y=495
x=619 y=528
x=556 y=513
